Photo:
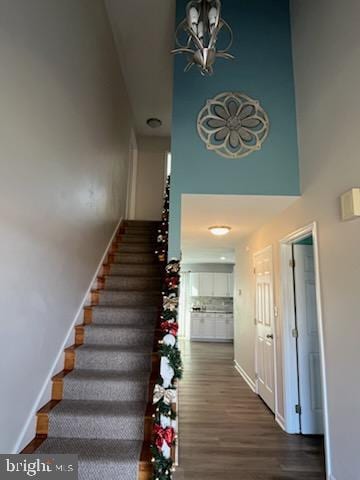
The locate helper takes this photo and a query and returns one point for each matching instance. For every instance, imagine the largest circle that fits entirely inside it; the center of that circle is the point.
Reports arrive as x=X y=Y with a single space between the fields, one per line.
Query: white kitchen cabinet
x=206 y=287
x=221 y=285
x=211 y=284
x=195 y=284
x=212 y=326
x=229 y=327
x=230 y=280
x=221 y=327
x=196 y=325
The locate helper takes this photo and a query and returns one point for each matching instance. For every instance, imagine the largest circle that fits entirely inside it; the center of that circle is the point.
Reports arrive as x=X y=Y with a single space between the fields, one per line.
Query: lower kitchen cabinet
x=212 y=326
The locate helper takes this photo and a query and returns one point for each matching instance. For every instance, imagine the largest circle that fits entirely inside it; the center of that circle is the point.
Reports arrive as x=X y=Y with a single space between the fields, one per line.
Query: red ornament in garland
x=170 y=327
x=163 y=435
x=172 y=282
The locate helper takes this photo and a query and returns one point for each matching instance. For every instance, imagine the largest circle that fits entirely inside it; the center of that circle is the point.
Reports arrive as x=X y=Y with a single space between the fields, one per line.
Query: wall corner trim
x=245 y=376
x=21 y=442
x=280 y=421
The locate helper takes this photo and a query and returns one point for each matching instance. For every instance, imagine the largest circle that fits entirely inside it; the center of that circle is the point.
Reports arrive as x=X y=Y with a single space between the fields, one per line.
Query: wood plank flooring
x=227 y=433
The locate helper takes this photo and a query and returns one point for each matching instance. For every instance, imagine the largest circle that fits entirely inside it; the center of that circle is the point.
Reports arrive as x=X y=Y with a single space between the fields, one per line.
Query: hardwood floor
x=227 y=433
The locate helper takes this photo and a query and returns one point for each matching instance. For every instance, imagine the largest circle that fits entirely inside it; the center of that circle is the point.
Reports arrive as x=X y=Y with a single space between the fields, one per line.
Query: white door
x=206 y=286
x=220 y=285
x=310 y=392
x=264 y=327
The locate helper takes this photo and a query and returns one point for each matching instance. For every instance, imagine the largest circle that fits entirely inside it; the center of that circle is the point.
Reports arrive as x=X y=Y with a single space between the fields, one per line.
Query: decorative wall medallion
x=233 y=125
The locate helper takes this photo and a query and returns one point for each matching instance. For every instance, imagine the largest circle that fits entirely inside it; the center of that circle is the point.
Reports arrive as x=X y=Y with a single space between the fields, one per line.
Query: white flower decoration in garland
x=233 y=125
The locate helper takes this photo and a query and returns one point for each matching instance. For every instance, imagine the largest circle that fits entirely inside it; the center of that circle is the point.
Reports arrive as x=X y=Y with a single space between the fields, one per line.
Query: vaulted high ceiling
x=144 y=33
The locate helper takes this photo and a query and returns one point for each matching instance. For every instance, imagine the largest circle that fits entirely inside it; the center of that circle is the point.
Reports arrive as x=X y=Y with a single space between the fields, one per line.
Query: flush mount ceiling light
x=197 y=35
x=219 y=230
x=154 y=122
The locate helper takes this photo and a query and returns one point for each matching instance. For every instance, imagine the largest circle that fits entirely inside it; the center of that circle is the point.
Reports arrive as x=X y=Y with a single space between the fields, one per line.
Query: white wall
x=64 y=138
x=327 y=70
x=151 y=177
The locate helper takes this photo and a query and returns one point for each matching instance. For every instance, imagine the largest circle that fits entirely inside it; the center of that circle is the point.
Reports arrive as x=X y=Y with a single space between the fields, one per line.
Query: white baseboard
x=280 y=420
x=245 y=376
x=28 y=432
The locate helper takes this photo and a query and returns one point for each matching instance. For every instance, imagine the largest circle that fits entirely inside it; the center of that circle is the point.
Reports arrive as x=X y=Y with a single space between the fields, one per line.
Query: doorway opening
x=305 y=398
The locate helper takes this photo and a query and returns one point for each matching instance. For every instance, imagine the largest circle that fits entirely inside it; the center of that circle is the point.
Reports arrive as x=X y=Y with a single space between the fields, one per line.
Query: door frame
x=291 y=421
x=269 y=248
x=132 y=178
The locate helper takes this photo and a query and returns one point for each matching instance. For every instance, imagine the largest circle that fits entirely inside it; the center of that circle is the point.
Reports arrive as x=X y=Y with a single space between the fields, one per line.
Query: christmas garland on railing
x=164 y=397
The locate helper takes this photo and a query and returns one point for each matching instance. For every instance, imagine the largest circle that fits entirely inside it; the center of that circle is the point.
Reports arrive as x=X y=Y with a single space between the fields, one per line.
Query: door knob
x=270 y=336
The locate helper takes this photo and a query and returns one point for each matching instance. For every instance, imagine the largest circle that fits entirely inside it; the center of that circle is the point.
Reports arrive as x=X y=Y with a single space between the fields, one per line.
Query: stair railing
x=165 y=391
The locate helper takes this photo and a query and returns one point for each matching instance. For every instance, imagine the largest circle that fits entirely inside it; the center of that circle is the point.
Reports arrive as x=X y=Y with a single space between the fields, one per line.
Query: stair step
x=136 y=239
x=113 y=458
x=126 y=282
x=98 y=419
x=128 y=298
x=121 y=315
x=107 y=386
x=137 y=258
x=135 y=270
x=110 y=357
x=140 y=231
x=120 y=335
x=128 y=247
x=151 y=223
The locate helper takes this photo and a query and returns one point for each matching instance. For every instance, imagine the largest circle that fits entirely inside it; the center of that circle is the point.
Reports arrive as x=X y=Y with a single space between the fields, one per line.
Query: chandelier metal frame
x=203 y=24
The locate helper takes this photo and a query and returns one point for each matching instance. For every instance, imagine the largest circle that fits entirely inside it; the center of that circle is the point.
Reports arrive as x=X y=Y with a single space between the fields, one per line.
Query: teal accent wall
x=263 y=69
x=306 y=241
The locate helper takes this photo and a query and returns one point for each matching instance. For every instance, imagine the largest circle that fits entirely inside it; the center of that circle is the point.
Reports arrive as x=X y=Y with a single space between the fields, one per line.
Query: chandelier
x=201 y=29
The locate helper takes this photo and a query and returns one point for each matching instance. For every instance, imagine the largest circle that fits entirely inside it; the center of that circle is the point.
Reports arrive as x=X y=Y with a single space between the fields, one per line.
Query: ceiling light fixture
x=219 y=230
x=154 y=122
x=202 y=26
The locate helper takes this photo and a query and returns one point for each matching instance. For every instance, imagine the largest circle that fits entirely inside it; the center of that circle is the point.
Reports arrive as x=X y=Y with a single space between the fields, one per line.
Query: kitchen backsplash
x=217 y=304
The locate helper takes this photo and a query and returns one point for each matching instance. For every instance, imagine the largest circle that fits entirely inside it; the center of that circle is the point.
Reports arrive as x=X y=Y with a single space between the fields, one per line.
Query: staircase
x=100 y=407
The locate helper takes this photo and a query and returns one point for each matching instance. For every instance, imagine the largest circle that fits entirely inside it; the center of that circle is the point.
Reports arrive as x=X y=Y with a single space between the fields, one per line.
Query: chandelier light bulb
x=194 y=18
x=213 y=18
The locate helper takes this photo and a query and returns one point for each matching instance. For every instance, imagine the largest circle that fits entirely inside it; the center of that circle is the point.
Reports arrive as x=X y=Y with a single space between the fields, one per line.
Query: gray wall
x=64 y=140
x=151 y=177
x=327 y=73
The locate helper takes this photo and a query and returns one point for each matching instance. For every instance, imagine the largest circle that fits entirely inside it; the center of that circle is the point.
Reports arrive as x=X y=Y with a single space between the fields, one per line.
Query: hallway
x=227 y=433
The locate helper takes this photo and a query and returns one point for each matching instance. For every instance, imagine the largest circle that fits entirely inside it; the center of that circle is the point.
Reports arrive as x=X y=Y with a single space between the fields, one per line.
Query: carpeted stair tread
x=99 y=459
x=135 y=248
x=134 y=269
x=112 y=357
x=110 y=314
x=135 y=258
x=120 y=335
x=128 y=298
x=129 y=282
x=109 y=385
x=97 y=419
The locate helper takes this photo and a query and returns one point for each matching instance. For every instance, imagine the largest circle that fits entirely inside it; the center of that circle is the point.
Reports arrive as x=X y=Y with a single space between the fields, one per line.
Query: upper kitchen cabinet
x=211 y=284
x=206 y=284
x=195 y=284
x=221 y=285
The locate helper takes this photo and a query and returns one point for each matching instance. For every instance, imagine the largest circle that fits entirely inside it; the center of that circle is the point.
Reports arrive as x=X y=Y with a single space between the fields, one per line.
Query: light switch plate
x=350 y=204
